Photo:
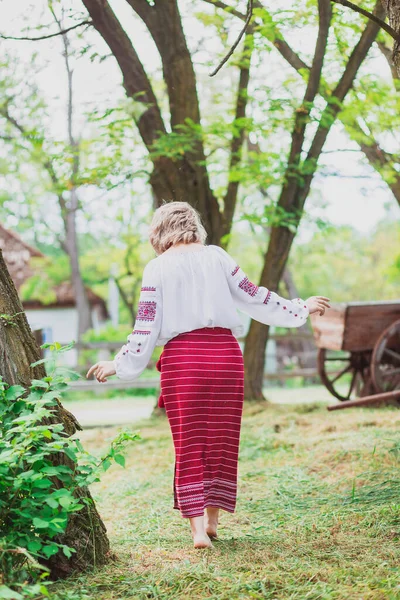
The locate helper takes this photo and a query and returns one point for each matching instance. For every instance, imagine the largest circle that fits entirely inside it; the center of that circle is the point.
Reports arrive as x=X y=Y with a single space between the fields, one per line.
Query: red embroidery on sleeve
x=248 y=287
x=235 y=270
x=146 y=310
x=148 y=289
x=267 y=297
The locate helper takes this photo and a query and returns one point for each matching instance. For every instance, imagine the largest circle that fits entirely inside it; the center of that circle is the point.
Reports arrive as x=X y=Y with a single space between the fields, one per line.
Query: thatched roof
x=18 y=254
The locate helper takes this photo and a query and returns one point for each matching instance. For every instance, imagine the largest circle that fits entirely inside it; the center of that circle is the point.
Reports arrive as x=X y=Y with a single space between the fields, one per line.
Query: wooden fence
x=103 y=347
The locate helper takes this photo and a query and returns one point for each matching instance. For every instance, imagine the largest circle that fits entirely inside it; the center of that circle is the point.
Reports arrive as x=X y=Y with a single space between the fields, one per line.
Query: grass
x=318 y=513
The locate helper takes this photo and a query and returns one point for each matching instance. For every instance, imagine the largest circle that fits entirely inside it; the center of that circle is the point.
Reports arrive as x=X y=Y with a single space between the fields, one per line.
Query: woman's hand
x=101 y=370
x=317 y=304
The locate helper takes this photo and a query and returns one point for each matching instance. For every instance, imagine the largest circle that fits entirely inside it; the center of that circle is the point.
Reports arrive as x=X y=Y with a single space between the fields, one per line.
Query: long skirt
x=202 y=390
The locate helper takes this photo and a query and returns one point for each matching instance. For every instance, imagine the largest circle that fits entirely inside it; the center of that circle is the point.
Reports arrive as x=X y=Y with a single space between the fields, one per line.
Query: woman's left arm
x=133 y=358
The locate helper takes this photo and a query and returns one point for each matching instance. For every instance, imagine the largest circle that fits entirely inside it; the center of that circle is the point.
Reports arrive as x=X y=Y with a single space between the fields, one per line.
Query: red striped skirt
x=202 y=378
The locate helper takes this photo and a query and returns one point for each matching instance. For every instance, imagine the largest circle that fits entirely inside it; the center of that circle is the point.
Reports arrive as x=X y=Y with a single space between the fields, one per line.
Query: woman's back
x=195 y=292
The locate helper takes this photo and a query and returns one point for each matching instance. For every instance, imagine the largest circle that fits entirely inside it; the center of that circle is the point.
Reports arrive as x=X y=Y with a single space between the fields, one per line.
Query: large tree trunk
x=256 y=340
x=185 y=178
x=393 y=10
x=295 y=192
x=18 y=349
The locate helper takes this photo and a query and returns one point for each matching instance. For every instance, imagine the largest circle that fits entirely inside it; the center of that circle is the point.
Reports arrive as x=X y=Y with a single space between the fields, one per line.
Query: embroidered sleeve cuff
x=301 y=303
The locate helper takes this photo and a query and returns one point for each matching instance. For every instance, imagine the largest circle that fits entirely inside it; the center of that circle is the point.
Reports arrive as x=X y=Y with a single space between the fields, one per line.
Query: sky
x=352 y=195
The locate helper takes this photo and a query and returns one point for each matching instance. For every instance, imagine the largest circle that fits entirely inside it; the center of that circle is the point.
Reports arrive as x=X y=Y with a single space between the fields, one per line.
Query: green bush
x=33 y=511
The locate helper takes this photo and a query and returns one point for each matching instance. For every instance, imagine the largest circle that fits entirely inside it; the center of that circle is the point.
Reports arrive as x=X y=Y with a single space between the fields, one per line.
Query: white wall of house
x=59 y=325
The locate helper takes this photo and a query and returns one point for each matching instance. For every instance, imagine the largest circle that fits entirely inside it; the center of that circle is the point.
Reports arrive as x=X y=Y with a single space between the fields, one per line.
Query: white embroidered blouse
x=203 y=287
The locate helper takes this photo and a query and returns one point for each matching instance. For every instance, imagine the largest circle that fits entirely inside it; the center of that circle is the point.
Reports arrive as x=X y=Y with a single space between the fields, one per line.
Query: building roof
x=18 y=254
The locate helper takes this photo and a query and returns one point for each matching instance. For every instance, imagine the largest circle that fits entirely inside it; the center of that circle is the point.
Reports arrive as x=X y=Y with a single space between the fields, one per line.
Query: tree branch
x=46 y=37
x=370 y=16
x=325 y=15
x=238 y=138
x=345 y=83
x=303 y=112
x=164 y=23
x=376 y=156
x=136 y=82
x=279 y=42
x=227 y=8
x=236 y=43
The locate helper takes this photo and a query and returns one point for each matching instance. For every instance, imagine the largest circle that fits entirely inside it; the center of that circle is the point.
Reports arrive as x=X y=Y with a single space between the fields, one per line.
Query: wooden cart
x=359 y=349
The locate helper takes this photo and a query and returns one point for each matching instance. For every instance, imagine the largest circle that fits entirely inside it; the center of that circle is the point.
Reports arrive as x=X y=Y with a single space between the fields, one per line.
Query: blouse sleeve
x=260 y=303
x=133 y=358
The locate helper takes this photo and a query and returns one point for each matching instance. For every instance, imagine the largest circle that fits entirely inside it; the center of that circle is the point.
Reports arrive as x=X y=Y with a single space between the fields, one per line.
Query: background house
x=59 y=319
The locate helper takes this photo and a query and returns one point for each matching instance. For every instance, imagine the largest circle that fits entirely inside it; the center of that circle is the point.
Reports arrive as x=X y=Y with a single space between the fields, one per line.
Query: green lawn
x=318 y=513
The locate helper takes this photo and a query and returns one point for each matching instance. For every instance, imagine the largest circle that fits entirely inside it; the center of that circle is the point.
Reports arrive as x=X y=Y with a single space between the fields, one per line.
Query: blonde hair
x=175 y=223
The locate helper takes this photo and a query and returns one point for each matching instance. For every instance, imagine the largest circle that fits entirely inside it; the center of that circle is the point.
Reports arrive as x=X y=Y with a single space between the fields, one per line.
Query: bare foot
x=200 y=537
x=202 y=541
x=211 y=521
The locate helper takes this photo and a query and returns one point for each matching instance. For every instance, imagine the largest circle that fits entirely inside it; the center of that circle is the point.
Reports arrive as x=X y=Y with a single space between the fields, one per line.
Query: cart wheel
x=385 y=364
x=334 y=365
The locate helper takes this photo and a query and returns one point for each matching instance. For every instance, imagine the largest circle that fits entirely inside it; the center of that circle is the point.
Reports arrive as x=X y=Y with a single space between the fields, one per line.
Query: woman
x=188 y=301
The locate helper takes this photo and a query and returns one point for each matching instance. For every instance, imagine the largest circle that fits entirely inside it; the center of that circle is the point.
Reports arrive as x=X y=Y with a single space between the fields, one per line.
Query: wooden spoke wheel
x=344 y=373
x=385 y=364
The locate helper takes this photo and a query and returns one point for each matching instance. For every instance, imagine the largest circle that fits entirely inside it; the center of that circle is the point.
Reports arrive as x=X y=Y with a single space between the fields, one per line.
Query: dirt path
x=124 y=411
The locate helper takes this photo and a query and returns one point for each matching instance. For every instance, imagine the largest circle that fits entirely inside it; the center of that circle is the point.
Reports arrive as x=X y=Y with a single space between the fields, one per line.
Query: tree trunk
x=298 y=179
x=306 y=348
x=256 y=340
x=71 y=243
x=69 y=213
x=18 y=349
x=185 y=178
x=393 y=10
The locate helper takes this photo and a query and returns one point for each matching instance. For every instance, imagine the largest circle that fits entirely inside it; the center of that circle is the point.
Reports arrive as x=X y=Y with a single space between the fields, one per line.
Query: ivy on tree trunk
x=85 y=531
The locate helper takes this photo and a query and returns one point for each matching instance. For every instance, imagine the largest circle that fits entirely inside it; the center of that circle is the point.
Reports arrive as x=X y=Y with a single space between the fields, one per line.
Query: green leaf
x=120 y=459
x=7 y=593
x=39 y=362
x=42 y=483
x=40 y=523
x=66 y=501
x=68 y=551
x=70 y=453
x=52 y=502
x=38 y=383
x=50 y=550
x=34 y=545
x=14 y=392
